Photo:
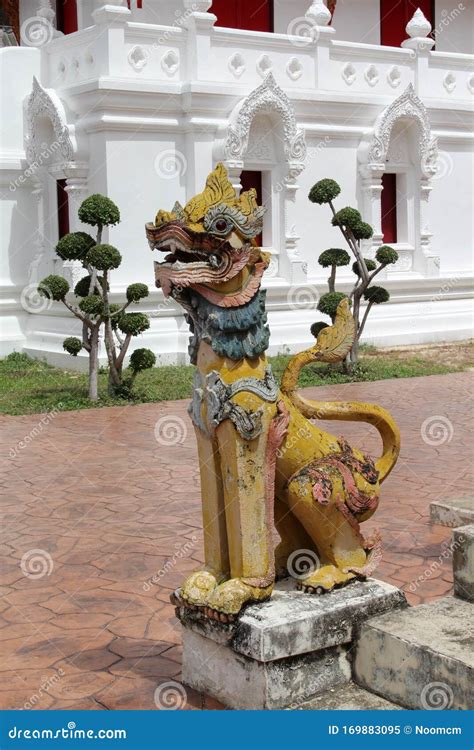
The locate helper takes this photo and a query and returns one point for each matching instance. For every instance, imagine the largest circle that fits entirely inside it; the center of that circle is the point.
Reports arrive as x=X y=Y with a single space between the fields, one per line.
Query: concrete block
x=453 y=512
x=421 y=657
x=293 y=622
x=283 y=652
x=349 y=697
x=243 y=683
x=463 y=562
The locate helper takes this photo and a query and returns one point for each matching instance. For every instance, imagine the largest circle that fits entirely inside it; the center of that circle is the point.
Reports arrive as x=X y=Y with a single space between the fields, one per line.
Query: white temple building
x=140 y=100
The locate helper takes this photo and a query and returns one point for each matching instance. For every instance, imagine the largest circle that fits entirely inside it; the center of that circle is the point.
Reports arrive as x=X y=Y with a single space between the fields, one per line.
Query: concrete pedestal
x=420 y=658
x=463 y=562
x=453 y=512
x=281 y=653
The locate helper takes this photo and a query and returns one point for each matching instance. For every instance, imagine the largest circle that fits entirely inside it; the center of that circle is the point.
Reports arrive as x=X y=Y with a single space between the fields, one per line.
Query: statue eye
x=221 y=225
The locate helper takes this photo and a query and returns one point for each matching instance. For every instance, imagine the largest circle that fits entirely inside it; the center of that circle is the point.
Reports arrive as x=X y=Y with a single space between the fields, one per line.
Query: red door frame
x=66 y=16
x=244 y=14
x=394 y=16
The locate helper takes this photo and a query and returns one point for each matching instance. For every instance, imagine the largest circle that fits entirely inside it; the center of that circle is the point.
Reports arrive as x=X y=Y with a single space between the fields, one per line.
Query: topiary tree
x=334 y=258
x=93 y=307
x=354 y=230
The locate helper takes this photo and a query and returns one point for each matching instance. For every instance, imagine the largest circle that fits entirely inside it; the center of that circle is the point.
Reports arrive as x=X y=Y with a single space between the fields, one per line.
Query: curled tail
x=332 y=345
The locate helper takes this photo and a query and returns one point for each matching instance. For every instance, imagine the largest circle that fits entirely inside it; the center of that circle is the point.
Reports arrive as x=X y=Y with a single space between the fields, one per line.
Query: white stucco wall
x=451 y=204
x=454 y=26
x=358 y=21
x=148 y=134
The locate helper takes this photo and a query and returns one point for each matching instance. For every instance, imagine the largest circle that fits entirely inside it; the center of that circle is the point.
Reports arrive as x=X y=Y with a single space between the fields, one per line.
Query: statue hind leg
x=334 y=529
x=293 y=538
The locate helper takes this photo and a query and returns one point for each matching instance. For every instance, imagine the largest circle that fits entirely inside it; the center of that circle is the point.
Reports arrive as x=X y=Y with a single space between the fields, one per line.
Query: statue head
x=213 y=266
x=210 y=244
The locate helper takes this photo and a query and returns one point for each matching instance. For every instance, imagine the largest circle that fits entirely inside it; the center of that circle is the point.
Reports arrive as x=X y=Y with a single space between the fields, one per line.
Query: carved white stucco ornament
x=265 y=99
x=199 y=6
x=318 y=14
x=408 y=106
x=418 y=25
x=45 y=103
x=418 y=29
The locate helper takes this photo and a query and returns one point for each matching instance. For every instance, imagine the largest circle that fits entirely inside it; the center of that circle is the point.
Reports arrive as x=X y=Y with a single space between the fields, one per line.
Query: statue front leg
x=199 y=585
x=248 y=511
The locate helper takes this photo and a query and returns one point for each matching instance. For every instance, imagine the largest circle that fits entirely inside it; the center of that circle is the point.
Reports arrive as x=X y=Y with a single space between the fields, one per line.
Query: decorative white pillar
x=200 y=25
x=112 y=12
x=418 y=29
x=318 y=17
x=39 y=242
x=372 y=206
x=112 y=17
x=431 y=262
x=76 y=189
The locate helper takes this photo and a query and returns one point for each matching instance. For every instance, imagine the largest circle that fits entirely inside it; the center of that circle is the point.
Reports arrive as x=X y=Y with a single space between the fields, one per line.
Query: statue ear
x=218 y=190
x=178 y=210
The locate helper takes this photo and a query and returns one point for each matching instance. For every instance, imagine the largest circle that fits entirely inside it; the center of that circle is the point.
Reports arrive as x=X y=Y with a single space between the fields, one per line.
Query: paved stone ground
x=96 y=503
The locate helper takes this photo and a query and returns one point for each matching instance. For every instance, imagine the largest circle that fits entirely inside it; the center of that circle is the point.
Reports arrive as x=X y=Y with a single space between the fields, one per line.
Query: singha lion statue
x=264 y=465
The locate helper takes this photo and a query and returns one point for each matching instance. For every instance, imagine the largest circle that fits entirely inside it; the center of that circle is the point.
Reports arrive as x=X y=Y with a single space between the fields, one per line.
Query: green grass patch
x=29 y=386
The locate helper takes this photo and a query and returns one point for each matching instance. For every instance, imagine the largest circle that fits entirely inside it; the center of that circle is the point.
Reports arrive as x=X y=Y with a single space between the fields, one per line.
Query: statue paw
x=324 y=579
x=197 y=588
x=229 y=598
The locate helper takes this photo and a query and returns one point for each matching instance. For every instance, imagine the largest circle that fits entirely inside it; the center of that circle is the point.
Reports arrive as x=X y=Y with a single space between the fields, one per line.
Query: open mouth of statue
x=193 y=259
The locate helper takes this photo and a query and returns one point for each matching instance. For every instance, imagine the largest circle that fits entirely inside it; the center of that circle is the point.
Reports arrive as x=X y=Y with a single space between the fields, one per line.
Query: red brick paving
x=107 y=507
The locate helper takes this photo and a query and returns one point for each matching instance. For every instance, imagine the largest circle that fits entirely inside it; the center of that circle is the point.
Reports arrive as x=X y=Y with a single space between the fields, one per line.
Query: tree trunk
x=354 y=353
x=332 y=279
x=94 y=364
x=115 y=379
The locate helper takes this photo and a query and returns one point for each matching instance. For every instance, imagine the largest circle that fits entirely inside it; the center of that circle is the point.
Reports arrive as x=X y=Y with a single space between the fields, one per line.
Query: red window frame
x=253 y=179
x=389 y=208
x=63 y=208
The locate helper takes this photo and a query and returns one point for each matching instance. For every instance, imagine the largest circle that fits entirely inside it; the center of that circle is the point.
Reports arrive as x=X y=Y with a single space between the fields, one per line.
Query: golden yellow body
x=292 y=477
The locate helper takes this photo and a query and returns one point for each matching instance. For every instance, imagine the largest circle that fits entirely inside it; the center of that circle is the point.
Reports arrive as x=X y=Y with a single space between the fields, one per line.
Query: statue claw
x=325 y=579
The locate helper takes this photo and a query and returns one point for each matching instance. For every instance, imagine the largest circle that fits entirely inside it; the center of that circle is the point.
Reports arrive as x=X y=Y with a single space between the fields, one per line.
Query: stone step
x=349 y=697
x=463 y=561
x=421 y=657
x=453 y=512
